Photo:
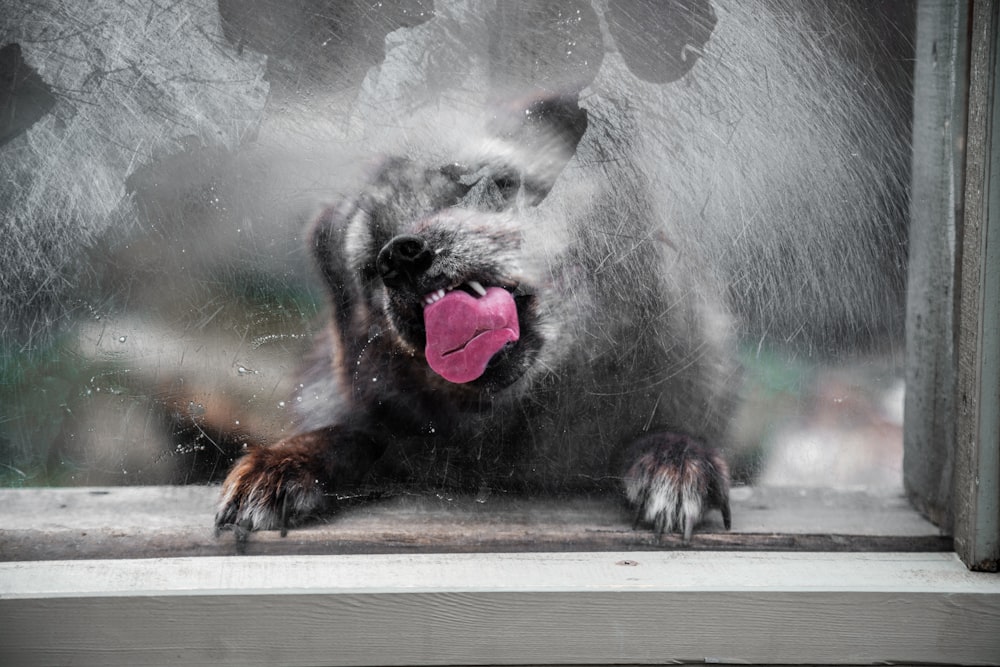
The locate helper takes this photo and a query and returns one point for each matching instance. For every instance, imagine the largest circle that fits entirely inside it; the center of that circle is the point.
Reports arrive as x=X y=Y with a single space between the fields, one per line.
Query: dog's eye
x=507 y=183
x=457 y=172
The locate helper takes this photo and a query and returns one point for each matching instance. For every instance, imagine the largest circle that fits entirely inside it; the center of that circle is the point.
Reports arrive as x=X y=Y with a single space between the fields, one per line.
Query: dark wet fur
x=605 y=354
x=634 y=260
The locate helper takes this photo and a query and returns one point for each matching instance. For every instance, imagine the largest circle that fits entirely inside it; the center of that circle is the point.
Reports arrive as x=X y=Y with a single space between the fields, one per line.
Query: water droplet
x=122 y=339
x=281 y=404
x=257 y=342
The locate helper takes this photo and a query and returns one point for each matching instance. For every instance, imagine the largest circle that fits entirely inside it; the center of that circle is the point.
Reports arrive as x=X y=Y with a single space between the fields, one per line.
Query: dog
x=476 y=340
x=547 y=303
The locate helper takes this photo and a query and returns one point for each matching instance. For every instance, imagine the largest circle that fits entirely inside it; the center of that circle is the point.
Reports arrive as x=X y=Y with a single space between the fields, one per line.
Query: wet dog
x=479 y=338
x=551 y=303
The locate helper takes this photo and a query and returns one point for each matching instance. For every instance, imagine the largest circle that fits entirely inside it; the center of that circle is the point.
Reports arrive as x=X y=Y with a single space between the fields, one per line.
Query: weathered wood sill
x=140 y=522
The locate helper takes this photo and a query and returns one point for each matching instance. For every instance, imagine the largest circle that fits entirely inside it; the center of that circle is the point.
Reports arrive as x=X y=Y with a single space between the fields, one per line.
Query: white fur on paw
x=672 y=485
x=258 y=507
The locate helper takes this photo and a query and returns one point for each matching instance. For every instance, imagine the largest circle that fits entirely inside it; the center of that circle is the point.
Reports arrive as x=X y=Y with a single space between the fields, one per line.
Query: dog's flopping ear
x=327 y=245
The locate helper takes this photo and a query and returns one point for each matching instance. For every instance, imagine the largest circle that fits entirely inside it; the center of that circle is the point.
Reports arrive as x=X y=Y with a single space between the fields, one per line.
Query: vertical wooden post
x=977 y=454
x=940 y=84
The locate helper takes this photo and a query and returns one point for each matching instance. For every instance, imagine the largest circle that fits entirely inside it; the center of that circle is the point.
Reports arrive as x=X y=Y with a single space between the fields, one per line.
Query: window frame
x=951 y=443
x=450 y=609
x=635 y=607
x=977 y=446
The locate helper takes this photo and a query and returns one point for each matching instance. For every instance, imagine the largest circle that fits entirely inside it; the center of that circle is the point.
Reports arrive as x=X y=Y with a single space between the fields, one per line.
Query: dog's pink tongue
x=464 y=332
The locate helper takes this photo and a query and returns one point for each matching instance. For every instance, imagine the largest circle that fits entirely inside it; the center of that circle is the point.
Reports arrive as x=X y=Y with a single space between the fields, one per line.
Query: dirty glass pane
x=161 y=164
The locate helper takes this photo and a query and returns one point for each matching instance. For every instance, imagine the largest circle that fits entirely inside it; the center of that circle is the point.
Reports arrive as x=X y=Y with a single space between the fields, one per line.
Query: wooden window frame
x=951 y=443
x=636 y=607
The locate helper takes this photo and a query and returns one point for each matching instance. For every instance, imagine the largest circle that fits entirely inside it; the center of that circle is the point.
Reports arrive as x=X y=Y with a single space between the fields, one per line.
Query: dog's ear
x=327 y=241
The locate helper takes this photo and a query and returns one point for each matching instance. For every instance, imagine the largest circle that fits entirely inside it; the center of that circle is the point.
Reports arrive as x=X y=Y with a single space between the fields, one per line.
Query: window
x=160 y=304
x=162 y=297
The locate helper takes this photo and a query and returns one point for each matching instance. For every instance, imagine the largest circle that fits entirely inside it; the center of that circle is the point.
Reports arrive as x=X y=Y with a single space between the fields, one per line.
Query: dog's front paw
x=672 y=480
x=269 y=488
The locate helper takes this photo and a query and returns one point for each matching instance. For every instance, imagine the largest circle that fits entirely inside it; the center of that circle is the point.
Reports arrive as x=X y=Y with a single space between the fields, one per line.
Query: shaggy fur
x=605 y=386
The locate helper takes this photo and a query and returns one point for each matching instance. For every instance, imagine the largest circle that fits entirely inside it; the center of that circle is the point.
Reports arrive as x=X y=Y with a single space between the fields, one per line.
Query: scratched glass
x=160 y=167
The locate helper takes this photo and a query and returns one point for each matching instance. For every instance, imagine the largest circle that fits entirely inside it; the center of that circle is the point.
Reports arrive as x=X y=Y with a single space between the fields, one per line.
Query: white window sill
x=538 y=608
x=69 y=594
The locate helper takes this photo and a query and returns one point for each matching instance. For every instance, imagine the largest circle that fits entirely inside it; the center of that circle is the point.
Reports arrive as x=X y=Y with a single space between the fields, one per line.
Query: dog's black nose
x=403 y=259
